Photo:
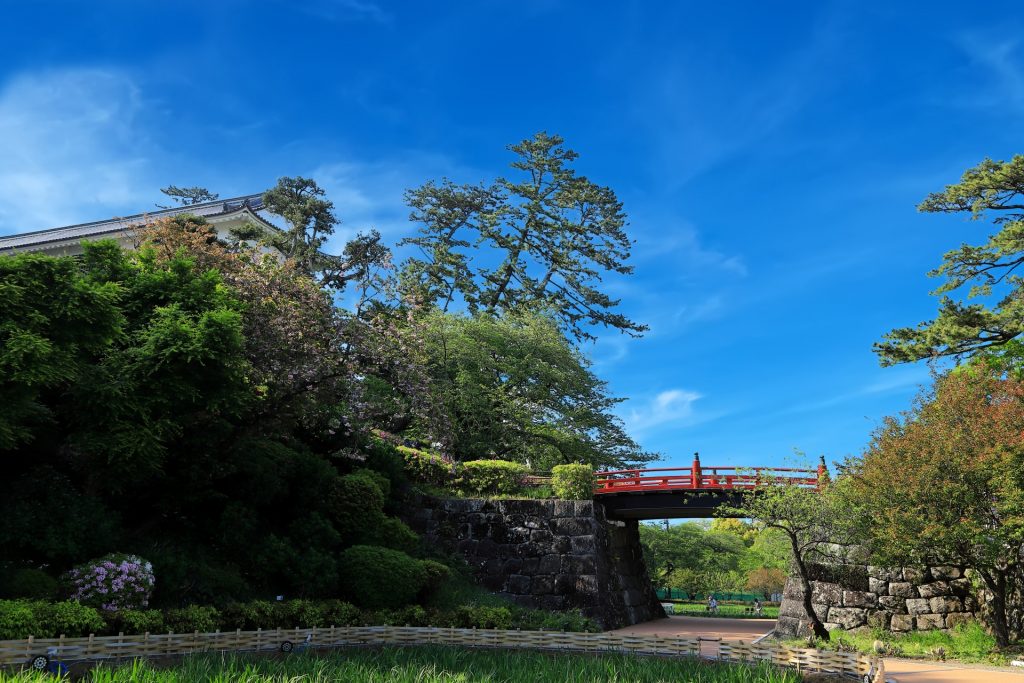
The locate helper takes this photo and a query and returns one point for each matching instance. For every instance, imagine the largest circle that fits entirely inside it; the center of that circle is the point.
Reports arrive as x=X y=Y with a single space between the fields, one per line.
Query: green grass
x=699 y=609
x=967 y=643
x=430 y=665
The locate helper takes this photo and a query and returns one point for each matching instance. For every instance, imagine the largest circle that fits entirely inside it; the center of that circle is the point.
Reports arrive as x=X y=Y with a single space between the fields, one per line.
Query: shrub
x=429 y=468
x=248 y=616
x=380 y=480
x=17 y=619
x=112 y=582
x=573 y=482
x=491 y=476
x=354 y=504
x=69 y=618
x=136 y=621
x=434 y=574
x=340 y=613
x=395 y=534
x=30 y=584
x=380 y=578
x=193 y=618
x=298 y=613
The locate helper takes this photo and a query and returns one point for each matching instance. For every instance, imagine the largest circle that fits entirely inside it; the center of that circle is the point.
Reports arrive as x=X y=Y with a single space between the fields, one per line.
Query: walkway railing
x=699 y=478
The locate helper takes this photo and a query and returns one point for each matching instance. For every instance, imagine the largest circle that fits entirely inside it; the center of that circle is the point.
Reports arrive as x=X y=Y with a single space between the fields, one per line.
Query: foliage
x=553 y=235
x=187 y=196
x=27 y=582
x=112 y=582
x=18 y=619
x=692 y=558
x=573 y=482
x=428 y=467
x=24 y=618
x=966 y=643
x=944 y=484
x=809 y=518
x=136 y=621
x=395 y=534
x=491 y=476
x=514 y=388
x=377 y=577
x=992 y=188
x=431 y=665
x=766 y=580
x=193 y=618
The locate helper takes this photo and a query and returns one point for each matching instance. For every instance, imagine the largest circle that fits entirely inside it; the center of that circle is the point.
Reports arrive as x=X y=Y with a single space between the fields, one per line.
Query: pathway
x=899 y=670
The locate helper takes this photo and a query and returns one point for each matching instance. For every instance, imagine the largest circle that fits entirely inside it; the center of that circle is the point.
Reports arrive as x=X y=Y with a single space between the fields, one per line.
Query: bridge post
x=695 y=472
x=823 y=476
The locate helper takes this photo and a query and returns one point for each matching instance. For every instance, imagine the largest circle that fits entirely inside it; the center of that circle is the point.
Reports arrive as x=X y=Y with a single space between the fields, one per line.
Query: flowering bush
x=428 y=467
x=112 y=582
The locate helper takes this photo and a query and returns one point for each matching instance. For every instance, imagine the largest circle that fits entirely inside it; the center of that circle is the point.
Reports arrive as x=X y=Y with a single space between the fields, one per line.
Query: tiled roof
x=221 y=207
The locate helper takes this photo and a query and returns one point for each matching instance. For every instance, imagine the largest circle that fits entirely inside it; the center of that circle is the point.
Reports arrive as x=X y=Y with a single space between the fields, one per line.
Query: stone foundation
x=548 y=554
x=853 y=596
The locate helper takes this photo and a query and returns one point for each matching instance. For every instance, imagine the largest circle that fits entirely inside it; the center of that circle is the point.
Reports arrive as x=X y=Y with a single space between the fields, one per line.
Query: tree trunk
x=817 y=628
x=997 y=584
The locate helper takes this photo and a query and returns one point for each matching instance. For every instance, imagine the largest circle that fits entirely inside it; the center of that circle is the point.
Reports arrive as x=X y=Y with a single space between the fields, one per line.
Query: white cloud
x=672 y=407
x=73 y=150
x=1001 y=61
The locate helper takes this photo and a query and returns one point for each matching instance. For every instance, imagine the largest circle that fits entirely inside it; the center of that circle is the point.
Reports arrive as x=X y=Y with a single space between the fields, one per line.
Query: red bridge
x=694 y=491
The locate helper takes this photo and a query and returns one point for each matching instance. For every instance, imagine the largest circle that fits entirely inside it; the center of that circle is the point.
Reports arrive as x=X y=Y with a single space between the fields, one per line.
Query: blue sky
x=770 y=156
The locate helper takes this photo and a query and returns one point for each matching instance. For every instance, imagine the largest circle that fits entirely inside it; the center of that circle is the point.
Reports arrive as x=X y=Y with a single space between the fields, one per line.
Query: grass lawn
x=699 y=609
x=429 y=665
x=967 y=643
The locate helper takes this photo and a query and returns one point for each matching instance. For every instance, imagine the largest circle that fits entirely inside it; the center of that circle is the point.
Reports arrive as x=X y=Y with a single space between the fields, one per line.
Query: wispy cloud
x=894 y=380
x=72 y=149
x=672 y=407
x=1002 y=63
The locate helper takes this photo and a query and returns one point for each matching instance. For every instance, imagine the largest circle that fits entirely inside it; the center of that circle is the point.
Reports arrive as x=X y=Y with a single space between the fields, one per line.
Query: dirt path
x=899 y=670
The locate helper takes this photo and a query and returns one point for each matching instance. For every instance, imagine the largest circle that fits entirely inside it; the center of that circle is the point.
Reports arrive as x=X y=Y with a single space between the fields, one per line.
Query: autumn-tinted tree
x=539 y=242
x=991 y=190
x=944 y=484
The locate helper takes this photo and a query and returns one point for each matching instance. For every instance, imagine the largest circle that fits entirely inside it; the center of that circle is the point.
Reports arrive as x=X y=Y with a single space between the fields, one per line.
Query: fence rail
x=21 y=652
x=698 y=477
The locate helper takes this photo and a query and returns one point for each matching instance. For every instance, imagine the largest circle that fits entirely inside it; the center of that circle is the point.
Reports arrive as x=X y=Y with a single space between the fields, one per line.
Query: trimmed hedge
x=573 y=482
x=377 y=578
x=491 y=476
x=429 y=468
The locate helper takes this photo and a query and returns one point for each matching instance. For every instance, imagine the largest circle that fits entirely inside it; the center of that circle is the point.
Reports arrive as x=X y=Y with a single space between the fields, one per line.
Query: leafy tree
x=187 y=196
x=808 y=518
x=991 y=189
x=692 y=558
x=553 y=233
x=767 y=580
x=514 y=388
x=944 y=484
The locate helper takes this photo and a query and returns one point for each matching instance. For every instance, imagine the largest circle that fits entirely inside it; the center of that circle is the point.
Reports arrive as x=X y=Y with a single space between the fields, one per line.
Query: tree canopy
x=991 y=190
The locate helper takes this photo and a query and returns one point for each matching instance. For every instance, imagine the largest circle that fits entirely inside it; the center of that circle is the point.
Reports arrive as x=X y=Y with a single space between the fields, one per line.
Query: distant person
x=713 y=605
x=757 y=606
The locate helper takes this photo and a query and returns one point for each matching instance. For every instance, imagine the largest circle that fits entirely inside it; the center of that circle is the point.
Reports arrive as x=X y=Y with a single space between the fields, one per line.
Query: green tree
x=808 y=518
x=992 y=189
x=187 y=196
x=691 y=557
x=553 y=233
x=944 y=484
x=514 y=388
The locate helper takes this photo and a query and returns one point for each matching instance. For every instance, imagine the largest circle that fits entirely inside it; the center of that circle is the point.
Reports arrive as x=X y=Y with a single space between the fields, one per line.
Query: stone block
x=518 y=584
x=541 y=536
x=569 y=526
x=961 y=587
x=542 y=585
x=633 y=598
x=930 y=590
x=884 y=573
x=530 y=566
x=879 y=619
x=792 y=590
x=848 y=617
x=561 y=544
x=913 y=575
x=583 y=508
x=582 y=545
x=859 y=599
x=792 y=608
x=821 y=610
x=901 y=622
x=916 y=606
x=550 y=564
x=578 y=564
x=829 y=593
x=564 y=508
x=878 y=586
x=954 y=619
x=928 y=622
x=565 y=584
x=944 y=604
x=586 y=584
x=945 y=573
x=901 y=589
x=893 y=604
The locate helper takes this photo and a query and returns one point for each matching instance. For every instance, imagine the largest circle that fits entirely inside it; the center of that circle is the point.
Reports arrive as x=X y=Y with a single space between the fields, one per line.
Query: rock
x=901 y=622
x=913 y=575
x=878 y=586
x=930 y=590
x=792 y=590
x=954 y=619
x=884 y=574
x=928 y=622
x=848 y=617
x=518 y=584
x=893 y=604
x=859 y=599
x=940 y=573
x=821 y=611
x=542 y=585
x=550 y=564
x=945 y=604
x=879 y=619
x=917 y=606
x=901 y=589
x=829 y=593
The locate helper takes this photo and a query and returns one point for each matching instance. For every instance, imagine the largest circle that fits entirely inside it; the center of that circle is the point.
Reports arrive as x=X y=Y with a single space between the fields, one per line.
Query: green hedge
x=573 y=482
x=491 y=476
x=22 y=618
x=426 y=467
x=377 y=578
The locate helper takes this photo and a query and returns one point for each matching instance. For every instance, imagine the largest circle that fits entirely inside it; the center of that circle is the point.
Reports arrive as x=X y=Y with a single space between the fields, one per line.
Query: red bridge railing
x=699 y=478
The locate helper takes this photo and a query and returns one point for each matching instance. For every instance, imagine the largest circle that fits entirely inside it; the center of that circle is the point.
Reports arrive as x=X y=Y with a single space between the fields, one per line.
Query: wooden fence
x=22 y=652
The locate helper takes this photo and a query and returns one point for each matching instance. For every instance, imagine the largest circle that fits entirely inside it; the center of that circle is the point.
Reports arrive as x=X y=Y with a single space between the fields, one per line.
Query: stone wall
x=549 y=554
x=852 y=596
